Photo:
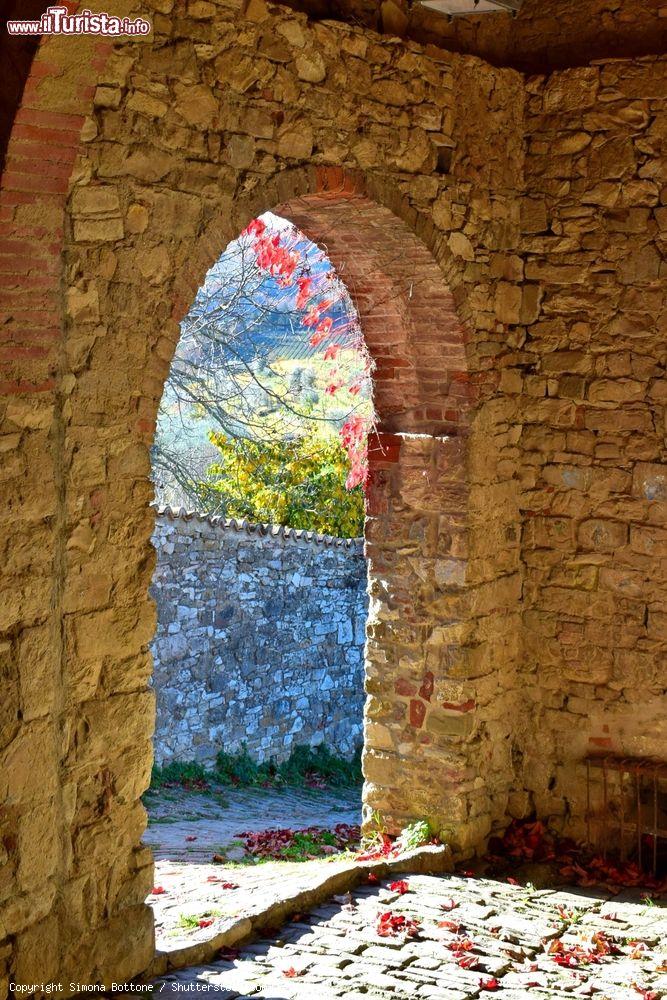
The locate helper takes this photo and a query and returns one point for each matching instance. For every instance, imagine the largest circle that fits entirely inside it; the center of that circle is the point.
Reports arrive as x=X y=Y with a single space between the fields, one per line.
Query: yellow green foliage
x=298 y=482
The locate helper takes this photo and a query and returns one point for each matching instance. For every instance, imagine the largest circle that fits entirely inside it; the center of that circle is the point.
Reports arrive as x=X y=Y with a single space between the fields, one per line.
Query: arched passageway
x=427 y=731
x=514 y=514
x=116 y=224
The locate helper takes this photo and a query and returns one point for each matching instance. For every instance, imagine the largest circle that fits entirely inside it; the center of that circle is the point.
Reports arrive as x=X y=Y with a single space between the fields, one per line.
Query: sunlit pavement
x=187 y=829
x=472 y=937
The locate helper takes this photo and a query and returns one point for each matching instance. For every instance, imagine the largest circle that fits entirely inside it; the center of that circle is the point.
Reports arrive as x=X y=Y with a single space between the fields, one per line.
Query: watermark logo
x=59 y=21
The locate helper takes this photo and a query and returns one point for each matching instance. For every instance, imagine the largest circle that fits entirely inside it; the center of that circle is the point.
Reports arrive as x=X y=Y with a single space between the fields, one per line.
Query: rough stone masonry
x=259 y=640
x=503 y=238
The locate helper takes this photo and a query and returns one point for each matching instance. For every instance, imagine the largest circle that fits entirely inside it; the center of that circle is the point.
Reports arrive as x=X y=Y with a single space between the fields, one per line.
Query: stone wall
x=590 y=383
x=259 y=640
x=543 y=35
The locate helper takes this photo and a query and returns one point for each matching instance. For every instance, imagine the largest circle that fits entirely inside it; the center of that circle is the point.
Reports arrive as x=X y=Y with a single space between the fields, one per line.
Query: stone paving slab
x=334 y=951
x=186 y=828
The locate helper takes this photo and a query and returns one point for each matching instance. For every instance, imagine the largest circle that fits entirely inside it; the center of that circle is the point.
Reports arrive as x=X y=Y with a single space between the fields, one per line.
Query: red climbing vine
x=280 y=255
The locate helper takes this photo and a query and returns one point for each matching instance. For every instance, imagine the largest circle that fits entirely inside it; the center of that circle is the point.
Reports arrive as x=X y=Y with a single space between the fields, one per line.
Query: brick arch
x=419 y=516
x=407 y=312
x=411 y=320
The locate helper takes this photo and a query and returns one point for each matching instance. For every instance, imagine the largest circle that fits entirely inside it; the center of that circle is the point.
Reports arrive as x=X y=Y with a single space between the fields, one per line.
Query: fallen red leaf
x=190 y=838
x=204 y=922
x=390 y=924
x=273 y=843
x=400 y=886
x=530 y=841
x=372 y=878
x=384 y=850
x=467 y=962
x=450 y=925
x=488 y=984
x=461 y=945
x=291 y=973
x=645 y=992
x=448 y=905
x=157 y=890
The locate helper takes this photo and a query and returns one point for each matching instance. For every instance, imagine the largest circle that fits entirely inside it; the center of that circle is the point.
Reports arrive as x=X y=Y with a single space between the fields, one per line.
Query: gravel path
x=188 y=826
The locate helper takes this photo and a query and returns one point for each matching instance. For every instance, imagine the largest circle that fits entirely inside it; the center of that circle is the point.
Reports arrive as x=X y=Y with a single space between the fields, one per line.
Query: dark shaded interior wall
x=545 y=35
x=16 y=55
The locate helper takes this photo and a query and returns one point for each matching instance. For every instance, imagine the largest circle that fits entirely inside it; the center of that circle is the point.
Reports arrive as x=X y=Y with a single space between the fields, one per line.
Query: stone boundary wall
x=259 y=641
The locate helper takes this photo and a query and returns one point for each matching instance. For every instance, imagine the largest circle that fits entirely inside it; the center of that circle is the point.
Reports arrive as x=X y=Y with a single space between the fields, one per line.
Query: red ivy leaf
x=450 y=925
x=390 y=924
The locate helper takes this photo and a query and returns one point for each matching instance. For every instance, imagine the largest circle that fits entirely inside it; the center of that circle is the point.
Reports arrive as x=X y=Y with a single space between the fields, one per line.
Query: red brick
x=46 y=135
x=50 y=119
x=426 y=689
x=22 y=388
x=27 y=182
x=417 y=713
x=462 y=706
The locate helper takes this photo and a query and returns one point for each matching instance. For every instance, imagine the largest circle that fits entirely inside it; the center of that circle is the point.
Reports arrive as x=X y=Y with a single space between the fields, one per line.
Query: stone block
x=649 y=481
x=602 y=535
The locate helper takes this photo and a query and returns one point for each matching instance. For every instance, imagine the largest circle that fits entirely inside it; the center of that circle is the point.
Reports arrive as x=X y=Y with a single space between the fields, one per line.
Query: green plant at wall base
x=307 y=763
x=241 y=769
x=414 y=835
x=190 y=775
x=306 y=766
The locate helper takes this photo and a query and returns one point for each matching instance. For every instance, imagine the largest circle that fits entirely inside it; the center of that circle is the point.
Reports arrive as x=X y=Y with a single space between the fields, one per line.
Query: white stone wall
x=259 y=641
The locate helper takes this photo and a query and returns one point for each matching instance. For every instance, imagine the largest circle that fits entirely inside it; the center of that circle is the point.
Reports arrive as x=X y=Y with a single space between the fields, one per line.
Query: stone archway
x=429 y=730
x=116 y=229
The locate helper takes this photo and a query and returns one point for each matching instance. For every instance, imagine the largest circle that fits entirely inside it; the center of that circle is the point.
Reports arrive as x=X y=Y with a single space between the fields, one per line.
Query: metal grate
x=626 y=798
x=461 y=8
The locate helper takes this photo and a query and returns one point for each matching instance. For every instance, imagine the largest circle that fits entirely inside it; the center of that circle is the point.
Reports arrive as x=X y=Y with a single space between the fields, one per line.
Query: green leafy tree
x=298 y=482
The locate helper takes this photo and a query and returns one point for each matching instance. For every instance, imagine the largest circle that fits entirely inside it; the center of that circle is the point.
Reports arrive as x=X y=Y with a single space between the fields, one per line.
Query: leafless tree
x=245 y=366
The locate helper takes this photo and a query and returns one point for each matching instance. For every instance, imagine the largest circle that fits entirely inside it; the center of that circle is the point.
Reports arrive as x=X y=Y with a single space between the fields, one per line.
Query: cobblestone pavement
x=187 y=828
x=502 y=939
